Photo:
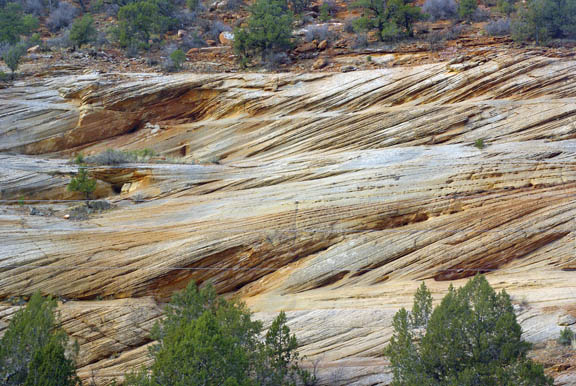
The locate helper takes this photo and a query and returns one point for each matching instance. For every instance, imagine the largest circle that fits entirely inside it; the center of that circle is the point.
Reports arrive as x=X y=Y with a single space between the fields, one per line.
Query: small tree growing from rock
x=81 y=182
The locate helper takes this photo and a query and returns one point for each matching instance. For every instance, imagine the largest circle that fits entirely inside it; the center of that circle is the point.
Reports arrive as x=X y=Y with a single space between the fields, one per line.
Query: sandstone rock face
x=327 y=195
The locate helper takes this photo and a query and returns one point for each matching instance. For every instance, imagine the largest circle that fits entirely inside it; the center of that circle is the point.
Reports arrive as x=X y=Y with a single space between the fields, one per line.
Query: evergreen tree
x=13 y=23
x=82 y=31
x=541 y=20
x=139 y=20
x=81 y=182
x=208 y=340
x=392 y=19
x=472 y=338
x=268 y=31
x=33 y=349
x=13 y=57
x=466 y=9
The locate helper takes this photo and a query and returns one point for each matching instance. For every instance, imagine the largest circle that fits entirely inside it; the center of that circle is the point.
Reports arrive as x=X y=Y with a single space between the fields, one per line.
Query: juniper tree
x=472 y=338
x=268 y=31
x=33 y=349
x=81 y=182
x=208 y=340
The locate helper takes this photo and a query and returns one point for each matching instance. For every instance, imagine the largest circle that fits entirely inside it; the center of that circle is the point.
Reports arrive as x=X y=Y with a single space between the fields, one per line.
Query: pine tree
x=33 y=349
x=207 y=340
x=392 y=19
x=82 y=183
x=472 y=338
x=82 y=31
x=268 y=31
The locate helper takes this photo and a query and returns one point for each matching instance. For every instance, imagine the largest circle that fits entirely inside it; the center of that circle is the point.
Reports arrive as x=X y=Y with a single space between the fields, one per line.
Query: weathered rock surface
x=334 y=195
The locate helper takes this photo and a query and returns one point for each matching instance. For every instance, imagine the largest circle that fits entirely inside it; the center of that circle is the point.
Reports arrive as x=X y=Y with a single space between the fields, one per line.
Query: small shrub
x=391 y=32
x=82 y=183
x=193 y=40
x=233 y=5
x=83 y=31
x=186 y=18
x=62 y=16
x=436 y=40
x=34 y=7
x=566 y=337
x=479 y=143
x=60 y=42
x=481 y=14
x=360 y=41
x=441 y=9
x=454 y=32
x=276 y=60
x=466 y=9
x=318 y=33
x=193 y=5
x=111 y=157
x=506 y=7
x=178 y=57
x=327 y=10
x=349 y=25
x=498 y=27
x=298 y=6
x=13 y=57
x=215 y=29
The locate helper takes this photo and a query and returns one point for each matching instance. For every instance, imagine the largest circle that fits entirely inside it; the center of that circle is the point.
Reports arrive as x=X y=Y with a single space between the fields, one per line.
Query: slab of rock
x=334 y=196
x=566 y=320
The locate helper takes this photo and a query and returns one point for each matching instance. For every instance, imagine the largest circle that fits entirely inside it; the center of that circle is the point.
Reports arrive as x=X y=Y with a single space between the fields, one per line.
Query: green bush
x=471 y=338
x=139 y=20
x=13 y=23
x=83 y=31
x=566 y=337
x=33 y=350
x=81 y=182
x=298 y=6
x=466 y=9
x=13 y=57
x=208 y=340
x=542 y=20
x=178 y=58
x=392 y=19
x=268 y=31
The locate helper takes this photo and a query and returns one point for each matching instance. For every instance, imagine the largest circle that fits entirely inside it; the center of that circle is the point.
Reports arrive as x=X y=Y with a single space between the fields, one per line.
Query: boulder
x=306 y=47
x=181 y=34
x=33 y=50
x=348 y=68
x=226 y=38
x=320 y=63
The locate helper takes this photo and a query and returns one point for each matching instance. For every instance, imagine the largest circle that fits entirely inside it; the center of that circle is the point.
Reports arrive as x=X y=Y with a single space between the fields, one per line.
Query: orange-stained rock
x=226 y=38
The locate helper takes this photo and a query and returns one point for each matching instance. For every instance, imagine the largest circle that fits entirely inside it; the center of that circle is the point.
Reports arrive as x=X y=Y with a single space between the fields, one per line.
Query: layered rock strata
x=330 y=196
